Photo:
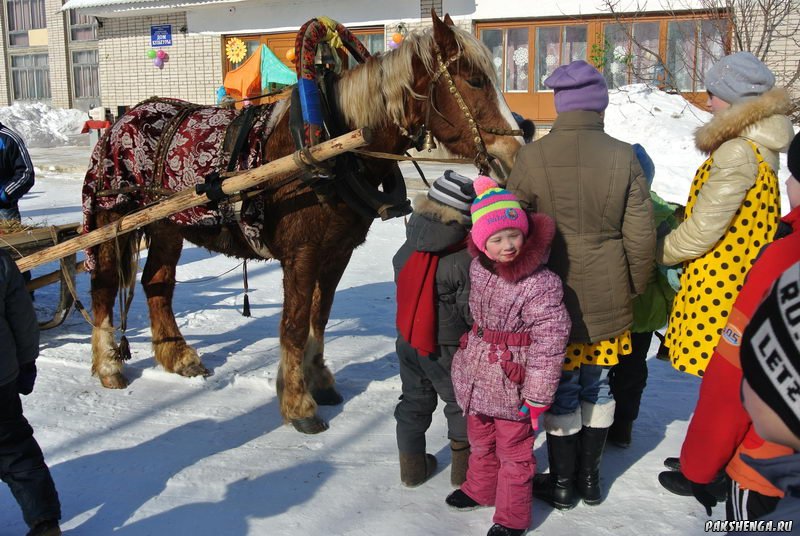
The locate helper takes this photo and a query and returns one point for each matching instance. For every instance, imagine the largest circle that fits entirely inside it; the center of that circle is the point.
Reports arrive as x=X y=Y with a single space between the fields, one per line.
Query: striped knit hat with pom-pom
x=493 y=210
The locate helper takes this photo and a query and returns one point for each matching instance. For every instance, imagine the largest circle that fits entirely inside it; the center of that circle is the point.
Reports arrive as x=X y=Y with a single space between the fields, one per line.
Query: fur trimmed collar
x=437 y=211
x=534 y=253
x=729 y=123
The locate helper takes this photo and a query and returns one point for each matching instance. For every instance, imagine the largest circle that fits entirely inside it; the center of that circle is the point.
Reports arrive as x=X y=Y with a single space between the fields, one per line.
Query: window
x=24 y=15
x=557 y=45
x=510 y=54
x=630 y=53
x=372 y=41
x=692 y=46
x=84 y=72
x=30 y=76
x=82 y=27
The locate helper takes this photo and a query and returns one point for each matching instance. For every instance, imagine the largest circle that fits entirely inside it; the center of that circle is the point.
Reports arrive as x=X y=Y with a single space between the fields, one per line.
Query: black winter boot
x=672 y=463
x=590 y=453
x=620 y=433
x=459 y=451
x=461 y=501
x=46 y=528
x=675 y=482
x=501 y=530
x=558 y=487
x=416 y=468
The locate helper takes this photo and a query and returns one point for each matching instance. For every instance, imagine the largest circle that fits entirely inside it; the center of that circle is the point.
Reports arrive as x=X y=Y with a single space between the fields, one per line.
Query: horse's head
x=465 y=109
x=442 y=79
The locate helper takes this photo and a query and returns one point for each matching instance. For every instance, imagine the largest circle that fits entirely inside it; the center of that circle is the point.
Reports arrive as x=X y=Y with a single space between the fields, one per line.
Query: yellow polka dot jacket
x=732 y=212
x=594 y=188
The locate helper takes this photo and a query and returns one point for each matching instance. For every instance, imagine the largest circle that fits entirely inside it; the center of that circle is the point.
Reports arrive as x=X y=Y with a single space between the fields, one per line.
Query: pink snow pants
x=501 y=468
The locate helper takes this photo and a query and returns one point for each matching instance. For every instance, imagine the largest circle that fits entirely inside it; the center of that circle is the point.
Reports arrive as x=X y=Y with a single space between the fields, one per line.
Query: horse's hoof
x=195 y=369
x=114 y=381
x=310 y=425
x=327 y=397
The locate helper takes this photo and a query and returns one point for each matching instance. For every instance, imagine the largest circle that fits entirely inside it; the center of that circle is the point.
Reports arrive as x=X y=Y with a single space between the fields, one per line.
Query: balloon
x=397 y=37
x=161 y=54
x=151 y=53
x=290 y=54
x=158 y=62
x=393 y=45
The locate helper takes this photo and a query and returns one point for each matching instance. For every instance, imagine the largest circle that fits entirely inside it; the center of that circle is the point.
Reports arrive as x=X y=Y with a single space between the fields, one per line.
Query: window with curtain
x=557 y=45
x=82 y=27
x=631 y=53
x=84 y=72
x=30 y=77
x=517 y=57
x=493 y=39
x=24 y=15
x=510 y=55
x=692 y=47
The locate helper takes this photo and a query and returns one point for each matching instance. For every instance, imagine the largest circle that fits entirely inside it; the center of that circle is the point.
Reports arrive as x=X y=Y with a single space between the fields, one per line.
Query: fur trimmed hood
x=534 y=253
x=761 y=119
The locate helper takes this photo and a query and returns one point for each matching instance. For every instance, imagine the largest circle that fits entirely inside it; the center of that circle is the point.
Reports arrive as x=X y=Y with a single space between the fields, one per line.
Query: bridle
x=483 y=161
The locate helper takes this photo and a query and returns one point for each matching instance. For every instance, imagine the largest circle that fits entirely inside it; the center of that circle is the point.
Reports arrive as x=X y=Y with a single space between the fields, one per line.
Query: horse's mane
x=391 y=75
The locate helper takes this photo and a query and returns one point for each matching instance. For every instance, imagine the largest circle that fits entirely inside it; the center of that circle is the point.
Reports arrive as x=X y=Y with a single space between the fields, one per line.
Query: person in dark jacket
x=22 y=464
x=432 y=275
x=16 y=173
x=770 y=357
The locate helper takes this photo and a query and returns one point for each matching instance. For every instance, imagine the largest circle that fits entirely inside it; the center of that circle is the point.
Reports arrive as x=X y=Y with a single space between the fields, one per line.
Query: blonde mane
x=391 y=75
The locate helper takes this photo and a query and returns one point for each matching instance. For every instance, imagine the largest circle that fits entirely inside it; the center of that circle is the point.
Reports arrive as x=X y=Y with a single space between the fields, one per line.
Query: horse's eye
x=477 y=82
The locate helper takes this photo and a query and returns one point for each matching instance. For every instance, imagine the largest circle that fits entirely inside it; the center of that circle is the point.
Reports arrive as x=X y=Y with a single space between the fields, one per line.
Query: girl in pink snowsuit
x=507 y=369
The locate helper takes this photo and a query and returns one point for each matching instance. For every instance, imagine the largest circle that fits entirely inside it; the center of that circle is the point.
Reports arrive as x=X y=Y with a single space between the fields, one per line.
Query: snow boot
x=501 y=530
x=46 y=528
x=590 y=454
x=558 y=487
x=620 y=433
x=461 y=501
x=460 y=460
x=675 y=482
x=416 y=468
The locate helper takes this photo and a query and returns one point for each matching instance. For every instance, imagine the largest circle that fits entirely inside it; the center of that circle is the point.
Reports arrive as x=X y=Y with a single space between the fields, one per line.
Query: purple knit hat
x=494 y=209
x=578 y=86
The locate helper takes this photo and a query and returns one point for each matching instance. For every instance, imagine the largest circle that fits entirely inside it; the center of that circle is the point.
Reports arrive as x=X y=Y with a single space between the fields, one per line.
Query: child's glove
x=673 y=275
x=704 y=497
x=26 y=378
x=533 y=410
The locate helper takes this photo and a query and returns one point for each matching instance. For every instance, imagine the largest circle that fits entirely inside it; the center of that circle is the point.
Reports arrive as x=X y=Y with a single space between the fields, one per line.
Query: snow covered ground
x=171 y=455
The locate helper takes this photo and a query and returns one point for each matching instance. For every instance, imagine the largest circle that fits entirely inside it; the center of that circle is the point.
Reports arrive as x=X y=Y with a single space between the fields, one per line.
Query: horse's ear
x=443 y=34
x=448 y=20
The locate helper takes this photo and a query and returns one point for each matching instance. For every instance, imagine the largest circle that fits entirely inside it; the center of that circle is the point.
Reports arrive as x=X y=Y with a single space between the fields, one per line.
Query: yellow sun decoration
x=235 y=50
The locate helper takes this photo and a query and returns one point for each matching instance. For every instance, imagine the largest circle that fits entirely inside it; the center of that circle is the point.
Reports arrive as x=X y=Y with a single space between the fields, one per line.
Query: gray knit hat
x=738 y=77
x=453 y=190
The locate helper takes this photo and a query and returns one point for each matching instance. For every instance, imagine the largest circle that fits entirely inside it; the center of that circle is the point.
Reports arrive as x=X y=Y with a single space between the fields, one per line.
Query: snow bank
x=43 y=126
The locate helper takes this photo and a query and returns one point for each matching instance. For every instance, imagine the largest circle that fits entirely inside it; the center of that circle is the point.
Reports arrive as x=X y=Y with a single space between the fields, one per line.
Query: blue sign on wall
x=161 y=36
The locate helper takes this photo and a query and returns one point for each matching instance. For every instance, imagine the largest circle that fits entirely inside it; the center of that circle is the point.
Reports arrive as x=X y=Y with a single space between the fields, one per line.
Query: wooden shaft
x=187 y=198
x=52 y=277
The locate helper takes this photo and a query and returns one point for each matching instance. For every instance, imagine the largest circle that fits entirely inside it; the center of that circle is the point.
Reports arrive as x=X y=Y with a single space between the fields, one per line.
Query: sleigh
x=29 y=241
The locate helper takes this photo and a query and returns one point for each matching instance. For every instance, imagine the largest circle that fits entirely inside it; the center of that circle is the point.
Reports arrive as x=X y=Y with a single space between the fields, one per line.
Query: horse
x=440 y=80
